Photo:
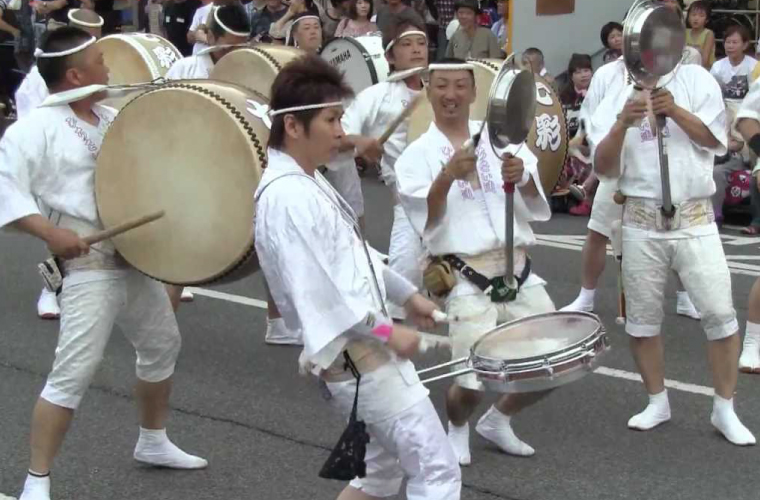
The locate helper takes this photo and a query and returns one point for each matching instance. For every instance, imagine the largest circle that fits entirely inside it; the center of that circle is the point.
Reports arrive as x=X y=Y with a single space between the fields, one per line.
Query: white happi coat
x=31 y=92
x=474 y=220
x=191 y=68
x=691 y=165
x=50 y=155
x=608 y=79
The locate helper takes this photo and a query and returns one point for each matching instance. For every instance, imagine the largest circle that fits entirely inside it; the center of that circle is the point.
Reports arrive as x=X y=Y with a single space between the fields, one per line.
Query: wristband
x=525 y=179
x=383 y=331
x=754 y=144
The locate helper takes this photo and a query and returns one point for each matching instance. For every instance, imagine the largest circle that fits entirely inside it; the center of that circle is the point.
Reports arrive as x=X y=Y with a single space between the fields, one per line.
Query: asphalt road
x=266 y=432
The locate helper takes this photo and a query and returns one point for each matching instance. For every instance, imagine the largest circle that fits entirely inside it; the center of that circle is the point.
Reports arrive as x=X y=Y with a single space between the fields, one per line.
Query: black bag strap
x=349 y=365
x=478 y=279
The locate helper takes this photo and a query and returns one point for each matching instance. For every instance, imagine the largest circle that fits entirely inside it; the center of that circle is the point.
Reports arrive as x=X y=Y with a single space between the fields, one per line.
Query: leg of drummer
x=175 y=295
x=277 y=332
x=749 y=362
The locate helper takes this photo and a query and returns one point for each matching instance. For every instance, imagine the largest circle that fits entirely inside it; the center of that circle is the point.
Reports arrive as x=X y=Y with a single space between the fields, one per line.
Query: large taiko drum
x=361 y=60
x=254 y=68
x=136 y=58
x=548 y=138
x=196 y=150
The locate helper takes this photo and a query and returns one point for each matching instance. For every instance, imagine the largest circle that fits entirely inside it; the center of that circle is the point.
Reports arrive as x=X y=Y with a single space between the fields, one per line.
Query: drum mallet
x=400 y=118
x=123 y=228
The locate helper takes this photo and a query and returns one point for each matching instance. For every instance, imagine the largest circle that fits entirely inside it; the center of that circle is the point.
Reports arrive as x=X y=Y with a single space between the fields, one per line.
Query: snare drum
x=201 y=164
x=254 y=68
x=361 y=60
x=535 y=353
x=136 y=58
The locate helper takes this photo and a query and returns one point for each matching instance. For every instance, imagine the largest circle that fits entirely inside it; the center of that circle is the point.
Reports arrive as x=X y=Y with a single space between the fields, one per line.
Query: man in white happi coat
x=748 y=123
x=29 y=95
x=50 y=155
x=455 y=199
x=605 y=213
x=625 y=148
x=229 y=25
x=331 y=286
x=365 y=121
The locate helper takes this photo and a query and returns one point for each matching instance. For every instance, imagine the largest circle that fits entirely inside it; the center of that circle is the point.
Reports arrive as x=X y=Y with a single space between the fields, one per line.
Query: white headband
x=84 y=23
x=451 y=67
x=224 y=26
x=405 y=34
x=39 y=53
x=293 y=24
x=275 y=112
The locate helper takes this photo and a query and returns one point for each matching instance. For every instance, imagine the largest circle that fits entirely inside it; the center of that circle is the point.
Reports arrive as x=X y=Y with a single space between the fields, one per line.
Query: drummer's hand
x=200 y=35
x=404 y=341
x=462 y=164
x=65 y=243
x=512 y=169
x=663 y=103
x=369 y=149
x=633 y=112
x=420 y=311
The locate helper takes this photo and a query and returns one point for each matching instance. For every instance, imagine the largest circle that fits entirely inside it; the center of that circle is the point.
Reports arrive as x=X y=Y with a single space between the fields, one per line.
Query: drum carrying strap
x=496 y=287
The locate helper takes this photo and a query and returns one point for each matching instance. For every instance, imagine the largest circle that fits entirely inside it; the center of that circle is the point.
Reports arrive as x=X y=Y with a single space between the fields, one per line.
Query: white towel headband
x=38 y=53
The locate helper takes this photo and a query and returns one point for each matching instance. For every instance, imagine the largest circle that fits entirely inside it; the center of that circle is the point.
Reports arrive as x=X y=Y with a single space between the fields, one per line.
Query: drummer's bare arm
x=61 y=242
x=607 y=158
x=460 y=166
x=513 y=170
x=366 y=147
x=664 y=104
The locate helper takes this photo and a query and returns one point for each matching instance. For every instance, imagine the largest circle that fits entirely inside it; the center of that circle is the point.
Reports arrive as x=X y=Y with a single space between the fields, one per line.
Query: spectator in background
x=533 y=58
x=280 y=30
x=499 y=28
x=471 y=40
x=306 y=33
x=330 y=13
x=385 y=15
x=178 y=15
x=55 y=11
x=357 y=23
x=733 y=71
x=445 y=15
x=612 y=39
x=697 y=35
x=262 y=18
x=196 y=35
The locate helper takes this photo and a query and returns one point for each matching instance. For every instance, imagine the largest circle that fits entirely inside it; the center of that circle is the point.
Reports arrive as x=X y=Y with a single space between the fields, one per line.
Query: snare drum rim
x=525 y=364
x=364 y=52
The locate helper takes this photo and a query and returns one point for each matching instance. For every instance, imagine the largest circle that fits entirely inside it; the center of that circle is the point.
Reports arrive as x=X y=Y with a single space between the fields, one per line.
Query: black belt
x=480 y=281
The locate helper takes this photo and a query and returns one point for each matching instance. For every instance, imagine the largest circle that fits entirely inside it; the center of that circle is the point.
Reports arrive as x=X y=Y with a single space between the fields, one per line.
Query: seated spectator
x=533 y=58
x=385 y=13
x=471 y=41
x=733 y=71
x=306 y=33
x=280 y=29
x=499 y=28
x=357 y=22
x=331 y=12
x=697 y=35
x=262 y=18
x=612 y=39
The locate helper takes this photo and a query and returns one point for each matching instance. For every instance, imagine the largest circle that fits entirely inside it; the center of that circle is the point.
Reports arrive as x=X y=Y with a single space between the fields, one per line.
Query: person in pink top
x=358 y=21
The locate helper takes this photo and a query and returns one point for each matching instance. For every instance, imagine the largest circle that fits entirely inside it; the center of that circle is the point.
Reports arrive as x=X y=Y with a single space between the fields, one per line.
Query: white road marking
x=434 y=340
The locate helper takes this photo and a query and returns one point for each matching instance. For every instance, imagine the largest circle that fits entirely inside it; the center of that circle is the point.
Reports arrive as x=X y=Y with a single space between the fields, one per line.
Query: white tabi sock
x=749 y=361
x=656 y=413
x=685 y=307
x=497 y=428
x=36 y=487
x=459 y=438
x=583 y=303
x=155 y=448
x=725 y=420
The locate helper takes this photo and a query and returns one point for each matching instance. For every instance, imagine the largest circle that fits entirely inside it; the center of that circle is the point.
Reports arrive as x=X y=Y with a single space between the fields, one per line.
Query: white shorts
x=605 y=211
x=481 y=315
x=701 y=265
x=89 y=310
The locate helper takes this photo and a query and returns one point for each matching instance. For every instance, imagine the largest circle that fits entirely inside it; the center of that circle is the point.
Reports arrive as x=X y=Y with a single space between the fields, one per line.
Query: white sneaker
x=579 y=305
x=497 y=428
x=749 y=362
x=685 y=307
x=187 y=296
x=459 y=438
x=278 y=333
x=47 y=305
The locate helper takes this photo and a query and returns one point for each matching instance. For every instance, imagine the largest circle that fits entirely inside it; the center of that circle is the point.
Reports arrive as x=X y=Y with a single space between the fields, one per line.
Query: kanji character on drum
x=50 y=154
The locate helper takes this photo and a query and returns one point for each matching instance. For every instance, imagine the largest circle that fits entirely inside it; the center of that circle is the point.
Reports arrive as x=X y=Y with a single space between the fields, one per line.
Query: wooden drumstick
x=400 y=118
x=123 y=228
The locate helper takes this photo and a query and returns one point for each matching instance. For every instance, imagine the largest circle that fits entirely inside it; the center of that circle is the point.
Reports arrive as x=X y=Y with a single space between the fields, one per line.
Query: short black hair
x=735 y=29
x=607 y=29
x=303 y=81
x=53 y=69
x=453 y=61
x=533 y=51
x=354 y=14
x=233 y=16
x=467 y=4
x=698 y=5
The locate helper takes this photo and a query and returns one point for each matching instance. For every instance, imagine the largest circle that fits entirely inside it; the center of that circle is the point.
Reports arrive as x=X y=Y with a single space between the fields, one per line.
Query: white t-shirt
x=733 y=80
x=200 y=16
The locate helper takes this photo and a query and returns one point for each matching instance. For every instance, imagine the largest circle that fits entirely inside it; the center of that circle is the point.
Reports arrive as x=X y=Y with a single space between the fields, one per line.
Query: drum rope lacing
x=268 y=57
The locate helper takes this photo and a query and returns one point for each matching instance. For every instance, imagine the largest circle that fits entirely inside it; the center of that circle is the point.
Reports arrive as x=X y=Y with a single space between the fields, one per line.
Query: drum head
x=125 y=63
x=361 y=60
x=254 y=68
x=537 y=336
x=200 y=163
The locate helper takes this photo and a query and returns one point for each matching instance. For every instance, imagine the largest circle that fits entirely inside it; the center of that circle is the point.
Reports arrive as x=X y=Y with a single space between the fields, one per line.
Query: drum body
x=361 y=60
x=201 y=164
x=539 y=352
x=254 y=68
x=136 y=58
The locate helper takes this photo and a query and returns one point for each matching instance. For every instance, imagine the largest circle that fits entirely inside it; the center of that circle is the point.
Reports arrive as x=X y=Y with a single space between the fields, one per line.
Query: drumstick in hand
x=400 y=118
x=123 y=228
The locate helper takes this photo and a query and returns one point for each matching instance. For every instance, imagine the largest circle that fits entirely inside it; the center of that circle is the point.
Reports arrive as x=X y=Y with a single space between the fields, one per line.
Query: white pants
x=480 y=315
x=405 y=252
x=605 y=211
x=701 y=265
x=89 y=310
